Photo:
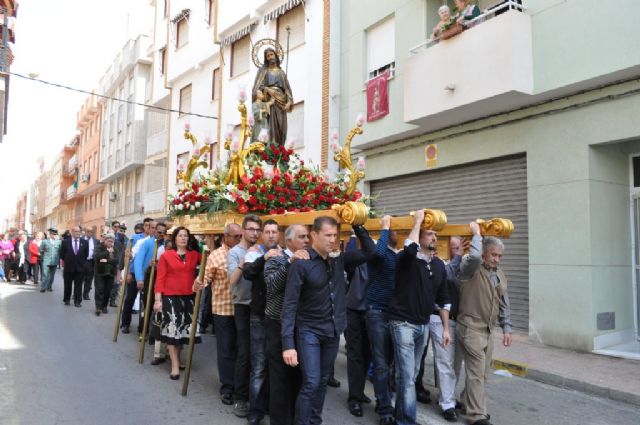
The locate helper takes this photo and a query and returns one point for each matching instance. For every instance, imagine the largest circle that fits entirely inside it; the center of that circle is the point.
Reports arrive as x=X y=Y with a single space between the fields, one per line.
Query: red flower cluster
x=276 y=154
x=188 y=199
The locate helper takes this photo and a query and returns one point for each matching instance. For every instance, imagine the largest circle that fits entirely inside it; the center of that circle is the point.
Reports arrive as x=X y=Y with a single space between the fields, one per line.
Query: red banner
x=378 y=97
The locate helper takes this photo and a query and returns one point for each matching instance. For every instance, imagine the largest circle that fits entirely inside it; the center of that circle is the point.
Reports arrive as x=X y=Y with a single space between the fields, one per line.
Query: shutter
x=488 y=189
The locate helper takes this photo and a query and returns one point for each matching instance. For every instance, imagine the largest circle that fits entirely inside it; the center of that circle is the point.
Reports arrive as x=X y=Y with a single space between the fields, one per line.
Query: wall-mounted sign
x=431 y=155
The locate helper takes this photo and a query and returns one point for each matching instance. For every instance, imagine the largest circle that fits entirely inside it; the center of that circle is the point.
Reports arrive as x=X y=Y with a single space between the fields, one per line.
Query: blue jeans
x=258 y=388
x=226 y=351
x=316 y=354
x=408 y=344
x=382 y=354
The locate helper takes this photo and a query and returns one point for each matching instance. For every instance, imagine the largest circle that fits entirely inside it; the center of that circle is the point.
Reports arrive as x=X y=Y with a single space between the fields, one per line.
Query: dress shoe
x=333 y=382
x=104 y=310
x=77 y=305
x=423 y=396
x=97 y=312
x=460 y=405
x=125 y=330
x=50 y=289
x=366 y=400
x=227 y=399
x=355 y=408
x=450 y=415
x=241 y=409
x=42 y=290
x=112 y=304
x=86 y=298
x=387 y=420
x=174 y=377
x=158 y=360
x=67 y=303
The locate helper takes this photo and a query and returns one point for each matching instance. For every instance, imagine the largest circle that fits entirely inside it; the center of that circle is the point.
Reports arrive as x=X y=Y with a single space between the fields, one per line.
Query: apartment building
x=524 y=115
x=124 y=135
x=8 y=14
x=92 y=193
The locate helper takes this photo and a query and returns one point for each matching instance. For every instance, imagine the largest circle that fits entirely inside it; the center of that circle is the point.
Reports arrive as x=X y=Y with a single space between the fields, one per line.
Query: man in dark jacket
x=73 y=253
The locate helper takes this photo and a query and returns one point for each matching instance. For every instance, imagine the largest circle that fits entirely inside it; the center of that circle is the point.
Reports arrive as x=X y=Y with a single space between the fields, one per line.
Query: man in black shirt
x=420 y=285
x=315 y=303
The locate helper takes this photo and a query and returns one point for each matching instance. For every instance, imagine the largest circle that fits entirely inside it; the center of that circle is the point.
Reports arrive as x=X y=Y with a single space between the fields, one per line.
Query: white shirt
x=90 y=256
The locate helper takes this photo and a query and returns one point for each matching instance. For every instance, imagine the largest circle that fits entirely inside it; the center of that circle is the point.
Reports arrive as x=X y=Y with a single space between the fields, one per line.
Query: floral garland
x=276 y=181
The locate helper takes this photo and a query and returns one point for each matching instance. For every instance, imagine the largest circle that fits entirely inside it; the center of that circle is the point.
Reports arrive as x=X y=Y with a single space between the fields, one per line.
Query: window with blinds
x=294 y=20
x=182 y=33
x=240 y=56
x=185 y=100
x=381 y=47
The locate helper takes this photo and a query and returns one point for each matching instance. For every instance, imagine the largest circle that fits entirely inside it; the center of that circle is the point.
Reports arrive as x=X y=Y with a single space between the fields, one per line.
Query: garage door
x=495 y=188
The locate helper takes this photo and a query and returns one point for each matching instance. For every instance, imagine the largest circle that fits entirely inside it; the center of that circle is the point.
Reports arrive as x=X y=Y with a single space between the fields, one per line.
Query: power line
x=62 y=86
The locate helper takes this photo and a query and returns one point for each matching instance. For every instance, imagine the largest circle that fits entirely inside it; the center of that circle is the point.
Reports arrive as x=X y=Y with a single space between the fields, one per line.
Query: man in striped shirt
x=284 y=381
x=222 y=309
x=382 y=273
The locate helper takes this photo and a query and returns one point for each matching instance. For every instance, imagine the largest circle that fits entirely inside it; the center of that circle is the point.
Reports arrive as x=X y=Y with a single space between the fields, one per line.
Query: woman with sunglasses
x=174 y=295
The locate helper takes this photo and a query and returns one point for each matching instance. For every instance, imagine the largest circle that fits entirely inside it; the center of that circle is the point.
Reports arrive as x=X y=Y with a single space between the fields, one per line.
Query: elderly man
x=73 y=253
x=107 y=258
x=284 y=380
x=420 y=286
x=483 y=302
x=92 y=242
x=216 y=275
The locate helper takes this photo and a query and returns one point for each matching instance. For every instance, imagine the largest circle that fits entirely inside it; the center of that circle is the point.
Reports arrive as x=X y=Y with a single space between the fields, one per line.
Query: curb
x=522 y=370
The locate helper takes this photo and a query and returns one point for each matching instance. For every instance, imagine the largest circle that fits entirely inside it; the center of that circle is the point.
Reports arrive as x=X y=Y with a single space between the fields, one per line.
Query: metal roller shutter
x=488 y=189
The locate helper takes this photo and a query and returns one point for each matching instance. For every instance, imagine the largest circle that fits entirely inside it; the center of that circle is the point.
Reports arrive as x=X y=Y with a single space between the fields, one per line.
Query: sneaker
x=241 y=409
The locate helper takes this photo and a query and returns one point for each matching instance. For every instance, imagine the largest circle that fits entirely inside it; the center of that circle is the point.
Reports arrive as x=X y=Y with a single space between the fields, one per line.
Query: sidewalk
x=603 y=376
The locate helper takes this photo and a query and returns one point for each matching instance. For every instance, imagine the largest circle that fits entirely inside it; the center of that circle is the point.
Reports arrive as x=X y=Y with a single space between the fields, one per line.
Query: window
x=381 y=47
x=185 y=100
x=182 y=32
x=240 y=56
x=295 y=20
x=210 y=8
x=215 y=84
x=163 y=60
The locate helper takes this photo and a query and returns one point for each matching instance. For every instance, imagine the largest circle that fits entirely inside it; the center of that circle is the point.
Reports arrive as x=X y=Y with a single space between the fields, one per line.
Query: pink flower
x=335 y=147
x=196 y=151
x=360 y=165
x=251 y=120
x=359 y=120
x=207 y=141
x=290 y=143
x=268 y=172
x=242 y=93
x=187 y=126
x=334 y=135
x=264 y=134
x=181 y=166
x=235 y=145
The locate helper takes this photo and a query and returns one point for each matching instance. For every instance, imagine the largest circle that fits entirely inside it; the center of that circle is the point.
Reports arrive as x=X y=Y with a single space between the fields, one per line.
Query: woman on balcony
x=467 y=12
x=174 y=295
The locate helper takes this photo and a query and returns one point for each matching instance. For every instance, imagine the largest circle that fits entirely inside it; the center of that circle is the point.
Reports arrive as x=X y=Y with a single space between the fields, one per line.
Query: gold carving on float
x=238 y=154
x=353 y=213
x=433 y=219
x=194 y=161
x=345 y=162
x=499 y=227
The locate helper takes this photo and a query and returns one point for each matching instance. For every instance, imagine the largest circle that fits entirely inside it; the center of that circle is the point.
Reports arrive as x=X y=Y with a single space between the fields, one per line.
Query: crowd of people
x=279 y=310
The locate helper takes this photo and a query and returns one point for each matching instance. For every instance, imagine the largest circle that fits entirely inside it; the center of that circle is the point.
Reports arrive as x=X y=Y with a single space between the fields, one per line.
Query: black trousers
x=88 y=277
x=284 y=381
x=129 y=299
x=72 y=280
x=103 y=290
x=243 y=355
x=23 y=272
x=358 y=353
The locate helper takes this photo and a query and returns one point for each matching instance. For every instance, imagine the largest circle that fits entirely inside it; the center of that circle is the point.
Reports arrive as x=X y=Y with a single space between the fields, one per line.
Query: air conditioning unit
x=85 y=177
x=113 y=196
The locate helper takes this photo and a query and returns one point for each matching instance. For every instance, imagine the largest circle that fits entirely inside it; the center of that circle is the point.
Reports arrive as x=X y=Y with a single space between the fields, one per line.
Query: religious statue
x=272 y=82
x=261 y=114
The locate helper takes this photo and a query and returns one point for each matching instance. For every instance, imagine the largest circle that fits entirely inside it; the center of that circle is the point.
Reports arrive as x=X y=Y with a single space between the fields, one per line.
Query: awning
x=281 y=10
x=184 y=14
x=238 y=34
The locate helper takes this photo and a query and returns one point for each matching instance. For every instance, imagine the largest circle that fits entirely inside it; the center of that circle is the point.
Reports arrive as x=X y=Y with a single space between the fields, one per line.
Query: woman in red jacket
x=34 y=258
x=174 y=295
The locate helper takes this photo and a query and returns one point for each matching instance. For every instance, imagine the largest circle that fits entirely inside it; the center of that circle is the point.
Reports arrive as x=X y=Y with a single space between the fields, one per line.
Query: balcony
x=71 y=166
x=482 y=71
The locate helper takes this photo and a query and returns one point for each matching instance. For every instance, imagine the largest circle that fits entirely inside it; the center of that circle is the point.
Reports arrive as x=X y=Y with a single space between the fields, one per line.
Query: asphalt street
x=59 y=366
